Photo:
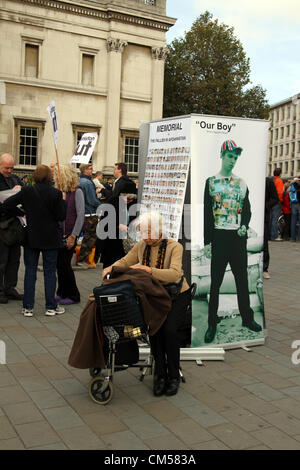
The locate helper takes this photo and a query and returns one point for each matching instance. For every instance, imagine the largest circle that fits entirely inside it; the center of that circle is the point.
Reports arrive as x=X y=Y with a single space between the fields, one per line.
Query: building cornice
x=110 y=13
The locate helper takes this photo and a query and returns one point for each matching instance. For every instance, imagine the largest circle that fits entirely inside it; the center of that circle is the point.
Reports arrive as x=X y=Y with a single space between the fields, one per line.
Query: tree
x=207 y=71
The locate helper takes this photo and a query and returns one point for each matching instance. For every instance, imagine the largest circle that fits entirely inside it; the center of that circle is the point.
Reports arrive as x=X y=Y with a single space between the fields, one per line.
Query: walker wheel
x=101 y=390
x=95 y=371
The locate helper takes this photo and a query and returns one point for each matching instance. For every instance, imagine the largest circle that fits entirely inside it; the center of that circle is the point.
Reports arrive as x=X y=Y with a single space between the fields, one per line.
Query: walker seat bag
x=118 y=305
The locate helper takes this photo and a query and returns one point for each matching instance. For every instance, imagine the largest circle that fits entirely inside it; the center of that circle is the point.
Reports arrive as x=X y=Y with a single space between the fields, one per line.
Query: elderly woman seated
x=162 y=259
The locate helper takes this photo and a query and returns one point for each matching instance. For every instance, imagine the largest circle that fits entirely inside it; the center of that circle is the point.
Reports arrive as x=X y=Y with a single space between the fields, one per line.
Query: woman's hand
x=143 y=267
x=71 y=241
x=106 y=271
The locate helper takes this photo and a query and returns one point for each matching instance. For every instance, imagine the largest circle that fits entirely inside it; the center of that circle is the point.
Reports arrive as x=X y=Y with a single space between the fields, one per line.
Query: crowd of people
x=60 y=207
x=282 y=212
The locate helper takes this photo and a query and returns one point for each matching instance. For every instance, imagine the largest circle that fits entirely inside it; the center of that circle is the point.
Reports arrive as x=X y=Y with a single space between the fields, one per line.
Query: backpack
x=293 y=194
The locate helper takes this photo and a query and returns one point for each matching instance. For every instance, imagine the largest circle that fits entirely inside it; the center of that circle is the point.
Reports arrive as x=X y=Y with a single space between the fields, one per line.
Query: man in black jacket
x=227 y=214
x=122 y=183
x=9 y=255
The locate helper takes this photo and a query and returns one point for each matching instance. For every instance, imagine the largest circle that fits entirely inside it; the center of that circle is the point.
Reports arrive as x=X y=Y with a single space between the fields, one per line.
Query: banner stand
x=190 y=354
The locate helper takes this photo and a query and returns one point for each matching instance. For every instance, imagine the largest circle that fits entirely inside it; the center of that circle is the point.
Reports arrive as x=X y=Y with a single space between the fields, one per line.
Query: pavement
x=251 y=400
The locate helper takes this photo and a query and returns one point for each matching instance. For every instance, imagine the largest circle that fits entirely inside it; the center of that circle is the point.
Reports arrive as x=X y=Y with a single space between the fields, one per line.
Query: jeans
x=295 y=217
x=31 y=258
x=275 y=213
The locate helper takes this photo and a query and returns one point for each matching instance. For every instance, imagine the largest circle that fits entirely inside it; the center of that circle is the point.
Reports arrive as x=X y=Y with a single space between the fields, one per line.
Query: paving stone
x=81 y=438
x=104 y=422
x=163 y=411
x=293 y=392
x=264 y=391
x=6 y=378
x=284 y=421
x=145 y=426
x=188 y=431
x=11 y=444
x=125 y=440
x=63 y=417
x=245 y=419
x=256 y=405
x=210 y=445
x=289 y=405
x=6 y=429
x=37 y=434
x=12 y=394
x=69 y=386
x=47 y=399
x=22 y=413
x=165 y=443
x=216 y=401
x=23 y=370
x=276 y=439
x=35 y=383
x=203 y=415
x=233 y=436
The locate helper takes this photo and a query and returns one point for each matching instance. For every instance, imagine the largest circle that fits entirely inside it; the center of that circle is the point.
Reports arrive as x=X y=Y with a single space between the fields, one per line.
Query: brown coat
x=154 y=300
x=87 y=350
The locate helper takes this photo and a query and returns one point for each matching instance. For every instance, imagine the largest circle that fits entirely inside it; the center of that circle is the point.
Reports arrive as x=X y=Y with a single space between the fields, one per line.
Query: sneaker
x=67 y=301
x=58 y=311
x=278 y=239
x=27 y=312
x=266 y=275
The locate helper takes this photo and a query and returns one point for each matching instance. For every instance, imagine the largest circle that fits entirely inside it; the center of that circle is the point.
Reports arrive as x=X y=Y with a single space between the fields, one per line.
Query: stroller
x=122 y=323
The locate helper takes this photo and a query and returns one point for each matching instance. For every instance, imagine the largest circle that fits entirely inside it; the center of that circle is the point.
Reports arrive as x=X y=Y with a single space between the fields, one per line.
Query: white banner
x=85 y=148
x=227 y=197
x=166 y=174
x=52 y=113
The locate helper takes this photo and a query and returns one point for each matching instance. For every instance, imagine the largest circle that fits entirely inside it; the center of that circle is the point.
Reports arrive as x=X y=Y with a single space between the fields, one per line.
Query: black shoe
x=172 y=387
x=252 y=325
x=13 y=294
x=159 y=386
x=3 y=299
x=210 y=334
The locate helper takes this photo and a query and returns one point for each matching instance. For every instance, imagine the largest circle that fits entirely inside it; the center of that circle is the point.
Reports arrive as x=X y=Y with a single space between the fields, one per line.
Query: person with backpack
x=276 y=210
x=295 y=209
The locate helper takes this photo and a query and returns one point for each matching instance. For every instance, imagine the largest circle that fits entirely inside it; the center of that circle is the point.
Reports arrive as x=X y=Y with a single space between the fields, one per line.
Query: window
x=288 y=131
x=281 y=150
x=298 y=165
x=31 y=56
x=28 y=133
x=286 y=165
x=131 y=153
x=276 y=134
x=276 y=152
x=281 y=132
x=287 y=149
x=31 y=60
x=282 y=114
x=87 y=73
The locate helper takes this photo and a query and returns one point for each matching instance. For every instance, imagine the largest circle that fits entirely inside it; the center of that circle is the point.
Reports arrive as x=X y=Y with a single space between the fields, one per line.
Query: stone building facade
x=284 y=137
x=101 y=62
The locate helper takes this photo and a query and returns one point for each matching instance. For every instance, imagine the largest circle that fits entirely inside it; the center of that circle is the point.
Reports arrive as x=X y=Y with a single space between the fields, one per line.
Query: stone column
x=115 y=48
x=159 y=55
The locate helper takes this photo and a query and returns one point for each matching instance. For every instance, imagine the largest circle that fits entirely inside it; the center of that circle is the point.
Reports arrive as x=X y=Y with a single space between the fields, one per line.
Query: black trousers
x=112 y=251
x=229 y=247
x=67 y=288
x=165 y=344
x=9 y=266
